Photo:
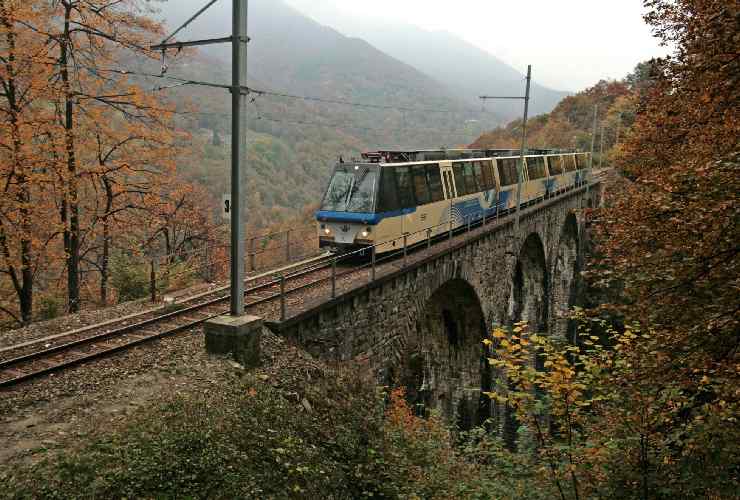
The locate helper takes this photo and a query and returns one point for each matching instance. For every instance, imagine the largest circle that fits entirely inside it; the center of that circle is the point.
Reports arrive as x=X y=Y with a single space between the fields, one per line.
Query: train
x=390 y=198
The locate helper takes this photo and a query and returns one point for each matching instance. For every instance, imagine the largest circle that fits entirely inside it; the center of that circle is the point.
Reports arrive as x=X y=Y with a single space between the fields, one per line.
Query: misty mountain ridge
x=466 y=70
x=292 y=53
x=294 y=143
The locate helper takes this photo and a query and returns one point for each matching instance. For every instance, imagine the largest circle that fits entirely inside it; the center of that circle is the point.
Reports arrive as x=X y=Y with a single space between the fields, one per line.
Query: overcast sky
x=571 y=44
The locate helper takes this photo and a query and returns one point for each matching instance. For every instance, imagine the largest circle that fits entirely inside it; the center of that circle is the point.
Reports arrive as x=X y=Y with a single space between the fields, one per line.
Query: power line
x=247 y=90
x=192 y=18
x=273 y=93
x=357 y=104
x=342 y=125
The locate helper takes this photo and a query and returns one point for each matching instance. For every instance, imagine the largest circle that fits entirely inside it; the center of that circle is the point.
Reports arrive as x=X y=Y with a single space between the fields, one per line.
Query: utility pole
x=520 y=166
x=593 y=136
x=238 y=89
x=238 y=152
x=591 y=159
x=601 y=146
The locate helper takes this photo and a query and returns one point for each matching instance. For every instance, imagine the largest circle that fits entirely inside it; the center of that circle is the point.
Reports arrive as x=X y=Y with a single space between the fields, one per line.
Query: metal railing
x=424 y=237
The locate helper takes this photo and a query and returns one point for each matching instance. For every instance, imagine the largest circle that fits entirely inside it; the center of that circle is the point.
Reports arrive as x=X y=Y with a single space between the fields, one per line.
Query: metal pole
x=152 y=282
x=287 y=245
x=593 y=141
x=520 y=166
x=405 y=239
x=601 y=146
x=282 y=297
x=238 y=152
x=333 y=278
x=372 y=257
x=593 y=135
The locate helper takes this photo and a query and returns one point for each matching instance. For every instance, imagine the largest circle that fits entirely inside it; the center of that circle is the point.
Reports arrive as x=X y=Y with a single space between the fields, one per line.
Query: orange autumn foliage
x=88 y=154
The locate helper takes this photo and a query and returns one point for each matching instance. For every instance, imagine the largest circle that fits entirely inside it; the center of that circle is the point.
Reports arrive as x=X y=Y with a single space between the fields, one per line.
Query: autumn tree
x=569 y=125
x=672 y=234
x=88 y=155
x=24 y=150
x=87 y=39
x=133 y=158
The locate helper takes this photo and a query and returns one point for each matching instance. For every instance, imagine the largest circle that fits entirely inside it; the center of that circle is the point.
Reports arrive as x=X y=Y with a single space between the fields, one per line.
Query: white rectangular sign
x=226 y=206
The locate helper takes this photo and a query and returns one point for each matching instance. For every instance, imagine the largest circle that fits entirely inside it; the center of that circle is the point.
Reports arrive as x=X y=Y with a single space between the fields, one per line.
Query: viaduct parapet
x=421 y=325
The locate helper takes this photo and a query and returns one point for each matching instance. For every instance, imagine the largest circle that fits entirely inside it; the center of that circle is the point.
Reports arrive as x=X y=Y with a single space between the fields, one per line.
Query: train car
x=387 y=197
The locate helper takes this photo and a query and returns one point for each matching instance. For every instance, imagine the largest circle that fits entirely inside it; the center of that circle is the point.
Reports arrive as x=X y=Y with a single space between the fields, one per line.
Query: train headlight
x=327 y=231
x=366 y=232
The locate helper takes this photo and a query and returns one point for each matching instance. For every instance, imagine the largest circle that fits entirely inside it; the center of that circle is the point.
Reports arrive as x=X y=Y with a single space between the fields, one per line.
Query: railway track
x=36 y=358
x=43 y=356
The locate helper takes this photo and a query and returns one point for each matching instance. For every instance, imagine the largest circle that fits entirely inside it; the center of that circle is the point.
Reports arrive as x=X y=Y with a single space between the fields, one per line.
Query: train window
x=536 y=167
x=555 y=164
x=478 y=169
x=362 y=195
x=457 y=169
x=580 y=161
x=507 y=171
x=338 y=192
x=351 y=190
x=421 y=189
x=405 y=187
x=435 y=183
x=489 y=182
x=568 y=163
x=388 y=196
x=469 y=176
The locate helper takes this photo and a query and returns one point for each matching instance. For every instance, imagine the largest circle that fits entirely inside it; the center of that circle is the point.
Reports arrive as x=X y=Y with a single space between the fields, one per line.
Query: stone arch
x=528 y=300
x=528 y=303
x=444 y=365
x=565 y=268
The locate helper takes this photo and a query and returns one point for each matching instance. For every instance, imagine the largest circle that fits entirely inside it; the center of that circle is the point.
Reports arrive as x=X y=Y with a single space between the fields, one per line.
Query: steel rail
x=158 y=310
x=127 y=329
x=321 y=264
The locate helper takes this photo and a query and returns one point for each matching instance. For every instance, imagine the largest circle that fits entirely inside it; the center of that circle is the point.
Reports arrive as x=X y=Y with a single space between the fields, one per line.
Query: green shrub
x=326 y=435
x=49 y=307
x=130 y=276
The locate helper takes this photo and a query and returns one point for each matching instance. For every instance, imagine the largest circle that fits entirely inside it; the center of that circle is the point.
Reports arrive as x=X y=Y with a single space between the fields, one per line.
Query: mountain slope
x=293 y=142
x=463 y=68
x=291 y=53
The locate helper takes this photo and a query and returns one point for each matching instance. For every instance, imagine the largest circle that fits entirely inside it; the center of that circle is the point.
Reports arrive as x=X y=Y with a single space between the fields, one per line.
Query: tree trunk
x=70 y=211
x=104 y=266
x=24 y=287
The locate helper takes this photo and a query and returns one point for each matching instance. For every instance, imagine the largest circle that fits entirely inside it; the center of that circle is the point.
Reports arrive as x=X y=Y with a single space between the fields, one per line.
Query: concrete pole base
x=236 y=335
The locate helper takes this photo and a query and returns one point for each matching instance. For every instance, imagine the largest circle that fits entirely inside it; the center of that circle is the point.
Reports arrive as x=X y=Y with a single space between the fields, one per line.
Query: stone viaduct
x=422 y=325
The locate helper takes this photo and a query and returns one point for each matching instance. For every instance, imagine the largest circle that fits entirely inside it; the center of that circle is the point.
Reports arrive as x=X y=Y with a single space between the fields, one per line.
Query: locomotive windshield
x=352 y=189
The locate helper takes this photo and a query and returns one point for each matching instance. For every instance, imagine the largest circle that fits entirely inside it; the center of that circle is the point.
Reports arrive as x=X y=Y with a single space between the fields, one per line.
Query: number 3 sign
x=226 y=206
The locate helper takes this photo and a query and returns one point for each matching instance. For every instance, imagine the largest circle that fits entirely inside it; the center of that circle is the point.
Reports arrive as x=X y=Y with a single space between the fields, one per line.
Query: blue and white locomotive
x=422 y=194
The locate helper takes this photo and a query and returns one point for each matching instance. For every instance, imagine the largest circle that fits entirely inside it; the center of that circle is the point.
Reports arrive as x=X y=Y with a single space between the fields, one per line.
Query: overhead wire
x=264 y=92
x=262 y=116
x=357 y=104
x=186 y=23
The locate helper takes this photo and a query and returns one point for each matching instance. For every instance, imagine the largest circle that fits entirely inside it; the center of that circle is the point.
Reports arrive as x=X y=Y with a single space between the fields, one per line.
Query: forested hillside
x=294 y=142
x=645 y=405
x=110 y=175
x=130 y=162
x=570 y=124
x=463 y=68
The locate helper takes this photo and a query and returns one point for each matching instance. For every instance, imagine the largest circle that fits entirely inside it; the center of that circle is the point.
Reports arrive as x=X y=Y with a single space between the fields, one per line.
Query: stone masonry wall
x=422 y=327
